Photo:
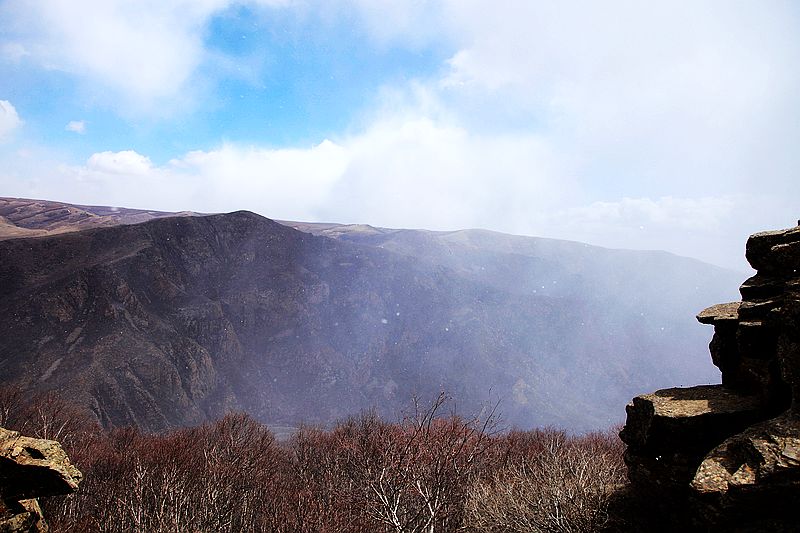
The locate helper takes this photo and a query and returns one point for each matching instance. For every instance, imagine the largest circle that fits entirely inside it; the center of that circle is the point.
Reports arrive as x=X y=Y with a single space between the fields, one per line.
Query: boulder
x=752 y=476
x=29 y=469
x=761 y=286
x=720 y=313
x=669 y=431
x=773 y=252
x=24 y=516
x=34 y=468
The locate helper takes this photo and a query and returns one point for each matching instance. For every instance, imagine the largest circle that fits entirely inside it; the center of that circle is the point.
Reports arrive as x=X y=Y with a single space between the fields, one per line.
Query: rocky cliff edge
x=727 y=457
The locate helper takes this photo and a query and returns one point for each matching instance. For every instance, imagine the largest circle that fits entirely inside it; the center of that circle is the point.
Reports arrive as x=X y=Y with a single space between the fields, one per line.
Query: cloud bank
x=659 y=125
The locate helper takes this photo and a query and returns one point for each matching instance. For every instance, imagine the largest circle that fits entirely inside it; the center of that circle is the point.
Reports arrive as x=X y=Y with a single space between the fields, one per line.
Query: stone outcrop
x=727 y=457
x=29 y=469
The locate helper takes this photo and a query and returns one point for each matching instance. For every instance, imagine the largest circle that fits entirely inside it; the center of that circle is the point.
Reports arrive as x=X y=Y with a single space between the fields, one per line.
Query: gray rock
x=29 y=469
x=731 y=454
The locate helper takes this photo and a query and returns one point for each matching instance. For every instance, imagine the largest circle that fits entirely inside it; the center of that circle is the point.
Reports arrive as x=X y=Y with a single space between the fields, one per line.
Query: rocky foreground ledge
x=727 y=457
x=30 y=469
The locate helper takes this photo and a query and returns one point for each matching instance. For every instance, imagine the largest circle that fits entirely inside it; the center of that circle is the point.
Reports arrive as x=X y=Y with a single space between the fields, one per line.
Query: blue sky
x=266 y=76
x=663 y=125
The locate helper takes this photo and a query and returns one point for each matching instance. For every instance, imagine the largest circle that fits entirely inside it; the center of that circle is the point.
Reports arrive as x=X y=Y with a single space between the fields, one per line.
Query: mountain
x=180 y=319
x=549 y=267
x=22 y=217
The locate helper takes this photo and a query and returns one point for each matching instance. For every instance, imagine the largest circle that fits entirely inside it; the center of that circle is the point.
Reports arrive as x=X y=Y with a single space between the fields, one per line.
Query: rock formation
x=30 y=469
x=727 y=457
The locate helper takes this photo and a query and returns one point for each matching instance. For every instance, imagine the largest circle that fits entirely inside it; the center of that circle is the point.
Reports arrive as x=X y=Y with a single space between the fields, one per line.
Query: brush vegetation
x=428 y=472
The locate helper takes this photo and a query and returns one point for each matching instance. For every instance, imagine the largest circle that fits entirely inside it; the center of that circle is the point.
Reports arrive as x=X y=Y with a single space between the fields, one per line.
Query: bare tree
x=566 y=487
x=414 y=473
x=11 y=407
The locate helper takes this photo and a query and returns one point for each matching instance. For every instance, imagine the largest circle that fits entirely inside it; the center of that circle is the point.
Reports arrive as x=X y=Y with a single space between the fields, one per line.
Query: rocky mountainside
x=177 y=320
x=657 y=286
x=727 y=457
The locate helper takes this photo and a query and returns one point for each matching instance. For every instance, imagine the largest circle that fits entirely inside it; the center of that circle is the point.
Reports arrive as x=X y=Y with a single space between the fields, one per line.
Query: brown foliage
x=216 y=477
x=429 y=472
x=565 y=485
x=45 y=416
x=416 y=472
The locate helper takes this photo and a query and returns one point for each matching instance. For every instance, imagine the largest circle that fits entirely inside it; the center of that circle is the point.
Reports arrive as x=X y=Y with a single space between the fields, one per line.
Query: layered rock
x=30 y=469
x=729 y=454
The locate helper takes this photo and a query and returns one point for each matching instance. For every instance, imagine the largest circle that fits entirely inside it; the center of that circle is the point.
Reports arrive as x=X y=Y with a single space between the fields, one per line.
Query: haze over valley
x=181 y=318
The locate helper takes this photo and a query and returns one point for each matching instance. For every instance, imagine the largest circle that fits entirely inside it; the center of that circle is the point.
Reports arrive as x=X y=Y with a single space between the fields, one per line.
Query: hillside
x=549 y=267
x=178 y=320
x=22 y=217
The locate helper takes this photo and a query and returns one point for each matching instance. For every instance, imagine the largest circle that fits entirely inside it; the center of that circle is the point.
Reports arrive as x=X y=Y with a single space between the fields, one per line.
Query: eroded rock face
x=731 y=453
x=29 y=469
x=756 y=469
x=669 y=432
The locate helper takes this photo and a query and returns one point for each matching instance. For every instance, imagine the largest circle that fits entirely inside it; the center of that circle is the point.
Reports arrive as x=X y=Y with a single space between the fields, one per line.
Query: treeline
x=430 y=472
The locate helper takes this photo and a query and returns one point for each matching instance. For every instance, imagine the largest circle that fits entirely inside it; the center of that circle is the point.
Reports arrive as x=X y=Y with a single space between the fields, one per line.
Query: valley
x=182 y=318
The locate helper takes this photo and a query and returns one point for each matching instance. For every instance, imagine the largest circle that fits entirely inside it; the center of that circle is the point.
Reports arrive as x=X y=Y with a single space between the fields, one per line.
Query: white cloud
x=146 y=53
x=411 y=172
x=420 y=172
x=698 y=227
x=678 y=98
x=278 y=183
x=679 y=118
x=127 y=162
x=401 y=172
x=76 y=126
x=712 y=229
x=684 y=213
x=9 y=119
x=389 y=21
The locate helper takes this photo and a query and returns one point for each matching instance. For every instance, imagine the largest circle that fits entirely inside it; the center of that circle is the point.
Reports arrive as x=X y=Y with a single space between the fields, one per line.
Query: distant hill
x=179 y=319
x=22 y=217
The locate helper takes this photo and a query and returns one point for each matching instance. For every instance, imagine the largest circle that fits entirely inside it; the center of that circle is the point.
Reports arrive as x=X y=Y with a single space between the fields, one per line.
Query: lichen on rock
x=29 y=469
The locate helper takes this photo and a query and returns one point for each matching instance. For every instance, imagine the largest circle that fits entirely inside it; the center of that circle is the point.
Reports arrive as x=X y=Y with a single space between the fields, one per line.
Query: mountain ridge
x=178 y=320
x=25 y=217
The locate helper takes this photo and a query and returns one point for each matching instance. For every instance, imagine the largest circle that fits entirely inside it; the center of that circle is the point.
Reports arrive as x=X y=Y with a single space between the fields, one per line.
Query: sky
x=669 y=125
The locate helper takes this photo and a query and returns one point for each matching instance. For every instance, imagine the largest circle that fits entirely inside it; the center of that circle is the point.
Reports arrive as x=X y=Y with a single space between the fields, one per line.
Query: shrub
x=215 y=478
x=430 y=472
x=566 y=486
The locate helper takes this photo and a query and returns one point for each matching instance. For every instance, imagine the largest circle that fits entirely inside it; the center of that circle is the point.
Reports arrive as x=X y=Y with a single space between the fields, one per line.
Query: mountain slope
x=22 y=217
x=534 y=265
x=177 y=320
x=661 y=291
